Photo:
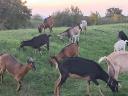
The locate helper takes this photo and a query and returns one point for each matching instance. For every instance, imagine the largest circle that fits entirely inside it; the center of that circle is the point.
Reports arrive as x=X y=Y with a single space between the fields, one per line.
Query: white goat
x=117 y=63
x=120 y=45
x=83 y=25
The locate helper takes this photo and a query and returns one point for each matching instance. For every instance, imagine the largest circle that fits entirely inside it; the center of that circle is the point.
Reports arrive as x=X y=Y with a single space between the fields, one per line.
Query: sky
x=47 y=7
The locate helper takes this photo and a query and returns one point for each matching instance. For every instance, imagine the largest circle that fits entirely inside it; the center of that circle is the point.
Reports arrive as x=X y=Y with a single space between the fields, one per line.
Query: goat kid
x=83 y=25
x=122 y=36
x=17 y=70
x=83 y=69
x=120 y=45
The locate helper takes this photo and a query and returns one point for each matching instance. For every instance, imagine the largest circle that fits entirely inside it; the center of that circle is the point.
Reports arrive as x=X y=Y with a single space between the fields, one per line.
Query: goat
x=37 y=42
x=120 y=45
x=117 y=63
x=48 y=23
x=122 y=36
x=17 y=70
x=83 y=69
x=72 y=33
x=83 y=25
x=70 y=50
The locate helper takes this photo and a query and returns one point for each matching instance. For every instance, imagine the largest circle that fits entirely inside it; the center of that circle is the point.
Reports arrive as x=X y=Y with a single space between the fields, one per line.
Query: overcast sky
x=47 y=7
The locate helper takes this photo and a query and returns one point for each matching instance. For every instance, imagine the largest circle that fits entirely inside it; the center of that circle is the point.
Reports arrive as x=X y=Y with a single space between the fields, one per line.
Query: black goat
x=122 y=36
x=37 y=42
x=83 y=69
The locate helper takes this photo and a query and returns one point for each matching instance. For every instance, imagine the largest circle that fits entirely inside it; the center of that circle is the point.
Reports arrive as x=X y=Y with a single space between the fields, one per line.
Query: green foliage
x=94 y=18
x=36 y=20
x=73 y=15
x=68 y=17
x=113 y=11
x=97 y=42
x=14 y=14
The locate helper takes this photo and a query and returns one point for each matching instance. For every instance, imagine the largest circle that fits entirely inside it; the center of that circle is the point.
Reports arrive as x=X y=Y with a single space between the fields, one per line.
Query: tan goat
x=117 y=63
x=70 y=50
x=17 y=70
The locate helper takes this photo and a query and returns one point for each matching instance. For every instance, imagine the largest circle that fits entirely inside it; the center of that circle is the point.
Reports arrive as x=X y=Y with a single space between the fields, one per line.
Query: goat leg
x=116 y=75
x=35 y=51
x=59 y=82
x=100 y=91
x=95 y=81
x=88 y=88
x=39 y=49
x=56 y=87
x=1 y=76
x=18 y=86
x=47 y=46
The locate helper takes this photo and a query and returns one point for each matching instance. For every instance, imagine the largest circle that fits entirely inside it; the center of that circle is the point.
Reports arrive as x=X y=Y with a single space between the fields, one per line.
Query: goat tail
x=102 y=59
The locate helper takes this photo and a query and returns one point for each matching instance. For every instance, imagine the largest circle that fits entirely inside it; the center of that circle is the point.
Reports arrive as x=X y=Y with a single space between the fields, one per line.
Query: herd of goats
x=69 y=63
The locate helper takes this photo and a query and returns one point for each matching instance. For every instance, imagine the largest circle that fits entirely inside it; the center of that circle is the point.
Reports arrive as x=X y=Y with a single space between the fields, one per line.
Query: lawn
x=97 y=42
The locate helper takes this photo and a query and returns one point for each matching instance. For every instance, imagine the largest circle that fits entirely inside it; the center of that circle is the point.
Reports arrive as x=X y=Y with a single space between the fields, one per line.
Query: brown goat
x=70 y=50
x=17 y=70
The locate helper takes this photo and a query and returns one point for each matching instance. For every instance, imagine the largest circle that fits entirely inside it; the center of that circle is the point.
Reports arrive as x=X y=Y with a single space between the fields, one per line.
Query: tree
x=14 y=14
x=113 y=11
x=76 y=14
x=68 y=17
x=94 y=17
x=36 y=20
x=115 y=14
x=37 y=17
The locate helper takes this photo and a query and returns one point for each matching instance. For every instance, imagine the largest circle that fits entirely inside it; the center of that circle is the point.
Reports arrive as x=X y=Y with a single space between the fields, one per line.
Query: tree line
x=73 y=15
x=15 y=14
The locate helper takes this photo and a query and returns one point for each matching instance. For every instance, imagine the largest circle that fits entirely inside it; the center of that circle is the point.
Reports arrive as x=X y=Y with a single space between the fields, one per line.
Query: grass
x=96 y=43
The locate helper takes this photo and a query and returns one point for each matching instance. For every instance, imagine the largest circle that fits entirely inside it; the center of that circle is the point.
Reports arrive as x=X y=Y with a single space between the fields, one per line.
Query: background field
x=97 y=42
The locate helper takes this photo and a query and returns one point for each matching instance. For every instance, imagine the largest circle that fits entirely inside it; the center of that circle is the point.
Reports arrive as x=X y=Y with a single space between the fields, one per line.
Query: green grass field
x=93 y=45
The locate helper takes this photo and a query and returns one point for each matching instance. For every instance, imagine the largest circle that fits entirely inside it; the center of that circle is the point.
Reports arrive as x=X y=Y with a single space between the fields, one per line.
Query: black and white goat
x=120 y=45
x=83 y=69
x=72 y=33
x=122 y=36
